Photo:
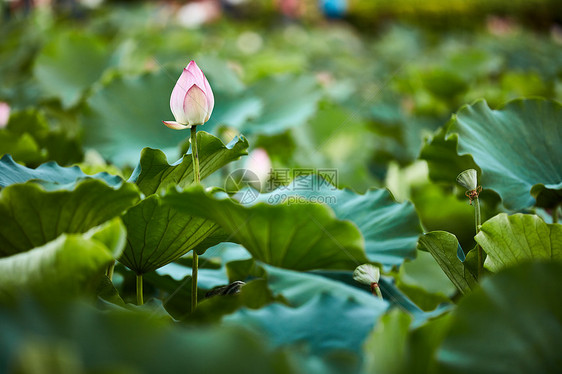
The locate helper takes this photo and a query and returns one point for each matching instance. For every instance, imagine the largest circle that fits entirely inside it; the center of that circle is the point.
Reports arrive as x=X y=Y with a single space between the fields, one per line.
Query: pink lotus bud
x=4 y=114
x=192 y=99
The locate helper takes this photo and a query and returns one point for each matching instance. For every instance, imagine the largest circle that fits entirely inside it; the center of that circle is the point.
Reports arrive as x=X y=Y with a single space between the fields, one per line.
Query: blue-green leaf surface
x=390 y=229
x=324 y=323
x=294 y=236
x=12 y=173
x=511 y=325
x=31 y=216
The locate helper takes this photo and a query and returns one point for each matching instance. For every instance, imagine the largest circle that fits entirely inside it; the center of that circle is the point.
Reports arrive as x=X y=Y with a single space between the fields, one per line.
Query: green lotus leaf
x=443 y=246
x=390 y=229
x=288 y=101
x=386 y=346
x=423 y=281
x=153 y=172
x=120 y=128
x=112 y=234
x=297 y=236
x=396 y=347
x=29 y=139
x=515 y=147
x=253 y=295
x=325 y=322
x=299 y=287
x=125 y=115
x=440 y=152
x=69 y=64
x=79 y=338
x=509 y=240
x=49 y=173
x=509 y=325
x=157 y=234
x=62 y=268
x=31 y=217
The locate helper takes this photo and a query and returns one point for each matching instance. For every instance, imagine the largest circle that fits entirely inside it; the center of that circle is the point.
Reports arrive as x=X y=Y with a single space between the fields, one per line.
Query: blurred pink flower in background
x=193 y=15
x=259 y=163
x=4 y=114
x=192 y=99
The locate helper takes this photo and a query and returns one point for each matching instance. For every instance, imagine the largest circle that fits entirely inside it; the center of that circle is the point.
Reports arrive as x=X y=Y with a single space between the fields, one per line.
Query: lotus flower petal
x=468 y=179
x=192 y=100
x=195 y=106
x=175 y=125
x=367 y=274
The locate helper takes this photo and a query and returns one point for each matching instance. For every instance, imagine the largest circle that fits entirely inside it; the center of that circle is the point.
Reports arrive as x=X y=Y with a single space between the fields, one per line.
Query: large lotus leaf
x=390 y=292
x=54 y=144
x=512 y=324
x=439 y=209
x=78 y=338
x=288 y=101
x=69 y=64
x=516 y=147
x=440 y=152
x=112 y=234
x=509 y=240
x=253 y=295
x=61 y=268
x=325 y=322
x=423 y=281
x=153 y=172
x=159 y=234
x=333 y=127
x=125 y=115
x=293 y=236
x=51 y=172
x=443 y=246
x=299 y=287
x=31 y=216
x=386 y=347
x=28 y=138
x=394 y=347
x=390 y=229
x=234 y=109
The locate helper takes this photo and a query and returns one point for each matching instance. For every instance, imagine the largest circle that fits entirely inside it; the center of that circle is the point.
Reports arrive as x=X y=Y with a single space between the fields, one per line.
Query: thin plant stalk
x=478 y=223
x=376 y=290
x=197 y=180
x=109 y=271
x=139 y=290
x=555 y=213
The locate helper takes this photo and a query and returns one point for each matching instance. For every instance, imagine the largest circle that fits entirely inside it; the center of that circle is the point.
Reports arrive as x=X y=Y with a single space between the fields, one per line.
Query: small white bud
x=367 y=274
x=468 y=179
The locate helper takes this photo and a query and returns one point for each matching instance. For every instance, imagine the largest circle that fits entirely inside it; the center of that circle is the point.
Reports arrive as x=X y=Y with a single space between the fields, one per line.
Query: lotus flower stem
x=197 y=180
x=109 y=271
x=478 y=223
x=376 y=290
x=139 y=290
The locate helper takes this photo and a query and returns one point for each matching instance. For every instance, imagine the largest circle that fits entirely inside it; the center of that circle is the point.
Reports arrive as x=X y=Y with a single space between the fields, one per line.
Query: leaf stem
x=376 y=290
x=139 y=290
x=555 y=213
x=109 y=271
x=478 y=223
x=196 y=180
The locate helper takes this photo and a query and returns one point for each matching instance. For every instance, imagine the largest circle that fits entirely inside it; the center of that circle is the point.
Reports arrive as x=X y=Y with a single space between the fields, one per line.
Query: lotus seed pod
x=468 y=179
x=367 y=274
